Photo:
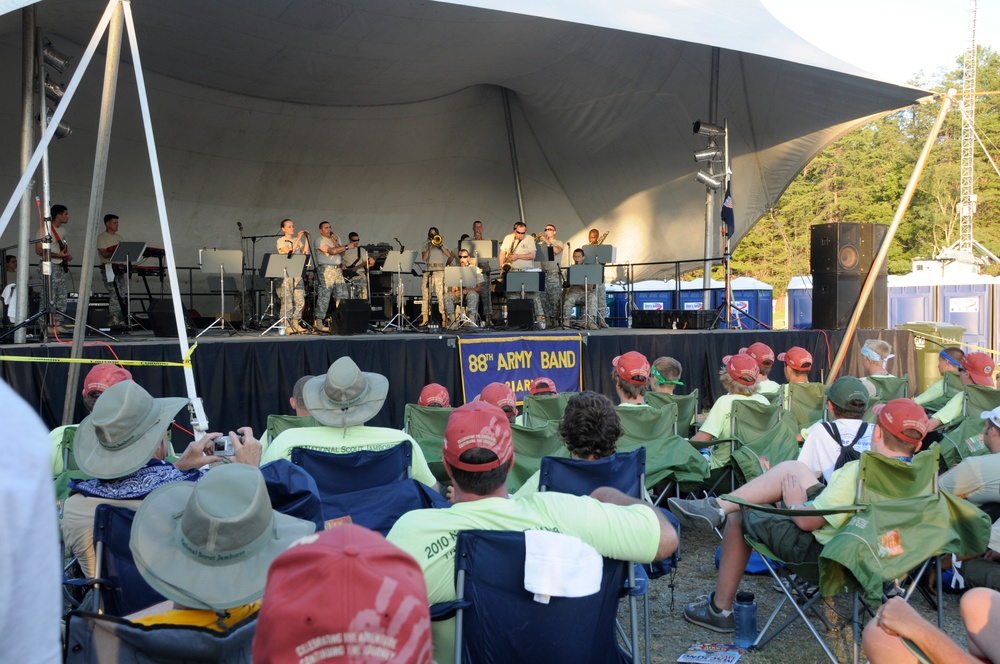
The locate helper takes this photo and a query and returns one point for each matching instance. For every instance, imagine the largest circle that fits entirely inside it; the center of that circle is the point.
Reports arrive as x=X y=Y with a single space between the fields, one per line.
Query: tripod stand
x=228 y=261
x=456 y=276
x=128 y=253
x=727 y=310
x=283 y=266
x=400 y=263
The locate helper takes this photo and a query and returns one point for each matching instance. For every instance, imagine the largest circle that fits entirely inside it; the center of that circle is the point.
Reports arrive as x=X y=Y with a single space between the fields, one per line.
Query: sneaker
x=803 y=588
x=701 y=613
x=703 y=513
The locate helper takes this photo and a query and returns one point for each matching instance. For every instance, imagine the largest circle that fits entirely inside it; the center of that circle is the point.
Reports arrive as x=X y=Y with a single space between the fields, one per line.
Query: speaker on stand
x=841 y=256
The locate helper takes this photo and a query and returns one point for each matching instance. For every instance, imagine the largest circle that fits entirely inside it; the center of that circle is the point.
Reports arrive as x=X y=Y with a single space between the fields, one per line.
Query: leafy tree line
x=862 y=176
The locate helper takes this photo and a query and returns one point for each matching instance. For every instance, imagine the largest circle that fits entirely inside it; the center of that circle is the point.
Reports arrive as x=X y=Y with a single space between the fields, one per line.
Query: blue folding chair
x=498 y=621
x=97 y=639
x=293 y=491
x=378 y=508
x=625 y=471
x=364 y=469
x=117 y=588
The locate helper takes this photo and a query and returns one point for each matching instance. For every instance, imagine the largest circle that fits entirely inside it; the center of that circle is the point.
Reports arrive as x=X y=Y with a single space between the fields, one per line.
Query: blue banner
x=519 y=360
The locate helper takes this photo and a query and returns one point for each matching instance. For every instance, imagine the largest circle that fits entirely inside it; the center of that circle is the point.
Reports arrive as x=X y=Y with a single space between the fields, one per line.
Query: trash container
x=928 y=340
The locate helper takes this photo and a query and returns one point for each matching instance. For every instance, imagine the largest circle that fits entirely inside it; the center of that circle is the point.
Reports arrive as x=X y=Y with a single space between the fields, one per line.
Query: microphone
x=239 y=225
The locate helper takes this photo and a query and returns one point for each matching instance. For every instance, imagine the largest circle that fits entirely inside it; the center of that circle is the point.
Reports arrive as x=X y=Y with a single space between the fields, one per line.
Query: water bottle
x=745 y=619
x=281 y=331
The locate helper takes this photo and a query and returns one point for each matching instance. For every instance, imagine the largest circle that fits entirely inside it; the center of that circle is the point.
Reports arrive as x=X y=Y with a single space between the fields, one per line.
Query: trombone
x=437 y=240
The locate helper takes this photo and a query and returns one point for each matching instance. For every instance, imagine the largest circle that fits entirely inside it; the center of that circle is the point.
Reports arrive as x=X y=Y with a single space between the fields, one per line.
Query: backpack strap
x=861 y=432
x=831 y=428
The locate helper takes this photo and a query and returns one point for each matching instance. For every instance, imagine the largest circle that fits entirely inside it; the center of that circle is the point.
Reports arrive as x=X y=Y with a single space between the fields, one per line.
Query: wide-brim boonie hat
x=124 y=431
x=345 y=396
x=208 y=544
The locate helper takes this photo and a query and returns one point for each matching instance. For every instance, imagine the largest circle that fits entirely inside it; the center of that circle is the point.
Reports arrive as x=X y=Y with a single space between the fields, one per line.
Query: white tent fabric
x=386 y=117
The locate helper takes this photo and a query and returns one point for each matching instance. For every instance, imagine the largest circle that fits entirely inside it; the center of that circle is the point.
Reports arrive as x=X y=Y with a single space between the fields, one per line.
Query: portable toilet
x=800 y=303
x=654 y=295
x=911 y=299
x=751 y=297
x=967 y=300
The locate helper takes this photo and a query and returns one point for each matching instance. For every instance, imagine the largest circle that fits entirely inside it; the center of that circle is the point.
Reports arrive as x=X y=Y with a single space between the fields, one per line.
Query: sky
x=892 y=38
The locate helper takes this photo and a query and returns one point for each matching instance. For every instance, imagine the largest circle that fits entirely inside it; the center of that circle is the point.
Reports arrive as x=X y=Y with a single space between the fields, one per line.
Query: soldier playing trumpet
x=435 y=256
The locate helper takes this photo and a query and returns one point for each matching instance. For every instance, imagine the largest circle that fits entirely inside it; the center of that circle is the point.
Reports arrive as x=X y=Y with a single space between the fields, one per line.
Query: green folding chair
x=541 y=408
x=749 y=421
x=952 y=386
x=278 y=424
x=687 y=408
x=426 y=425
x=806 y=403
x=888 y=388
x=961 y=442
x=647 y=424
x=979 y=399
x=530 y=445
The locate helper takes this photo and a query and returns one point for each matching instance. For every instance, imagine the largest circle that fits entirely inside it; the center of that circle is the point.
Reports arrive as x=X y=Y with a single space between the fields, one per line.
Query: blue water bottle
x=745 y=619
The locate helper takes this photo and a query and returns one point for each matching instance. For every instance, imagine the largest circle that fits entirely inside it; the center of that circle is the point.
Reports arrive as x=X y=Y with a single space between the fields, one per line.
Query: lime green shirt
x=344 y=441
x=768 y=386
x=718 y=425
x=952 y=410
x=429 y=535
x=839 y=492
x=935 y=391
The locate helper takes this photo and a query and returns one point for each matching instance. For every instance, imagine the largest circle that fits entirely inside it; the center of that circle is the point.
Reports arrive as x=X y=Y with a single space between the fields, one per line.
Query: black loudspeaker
x=353 y=316
x=841 y=257
x=161 y=318
x=520 y=313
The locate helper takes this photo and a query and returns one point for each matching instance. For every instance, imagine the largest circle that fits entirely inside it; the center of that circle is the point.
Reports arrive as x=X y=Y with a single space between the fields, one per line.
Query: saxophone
x=601 y=239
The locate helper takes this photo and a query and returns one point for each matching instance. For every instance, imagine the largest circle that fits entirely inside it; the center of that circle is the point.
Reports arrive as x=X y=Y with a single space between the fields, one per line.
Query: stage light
x=711 y=181
x=62 y=131
x=53 y=91
x=706 y=129
x=54 y=58
x=711 y=153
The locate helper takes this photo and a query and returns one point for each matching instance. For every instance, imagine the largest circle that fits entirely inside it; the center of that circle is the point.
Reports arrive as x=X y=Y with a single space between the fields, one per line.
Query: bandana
x=139 y=484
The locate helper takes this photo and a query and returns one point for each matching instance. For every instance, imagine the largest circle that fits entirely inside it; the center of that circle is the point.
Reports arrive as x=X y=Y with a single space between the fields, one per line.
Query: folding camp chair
x=751 y=421
x=647 y=424
x=669 y=457
x=426 y=426
x=541 y=408
x=805 y=403
x=624 y=471
x=293 y=491
x=97 y=639
x=530 y=445
x=979 y=399
x=952 y=386
x=961 y=442
x=117 y=588
x=499 y=621
x=901 y=523
x=687 y=408
x=888 y=388
x=378 y=508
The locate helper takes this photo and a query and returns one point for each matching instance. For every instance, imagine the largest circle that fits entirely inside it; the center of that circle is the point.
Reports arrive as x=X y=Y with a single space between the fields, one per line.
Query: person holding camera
x=435 y=256
x=122 y=445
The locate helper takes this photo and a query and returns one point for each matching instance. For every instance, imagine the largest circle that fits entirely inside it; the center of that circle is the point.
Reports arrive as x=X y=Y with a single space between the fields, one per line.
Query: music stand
x=483 y=250
x=399 y=262
x=282 y=266
x=128 y=253
x=221 y=262
x=586 y=276
x=525 y=282
x=599 y=254
x=456 y=276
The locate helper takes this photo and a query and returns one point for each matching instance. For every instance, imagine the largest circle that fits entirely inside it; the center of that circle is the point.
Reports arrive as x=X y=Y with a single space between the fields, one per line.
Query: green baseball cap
x=848 y=393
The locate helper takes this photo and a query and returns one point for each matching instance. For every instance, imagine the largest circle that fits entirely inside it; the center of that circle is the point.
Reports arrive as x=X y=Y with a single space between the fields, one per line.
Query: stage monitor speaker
x=353 y=316
x=521 y=313
x=161 y=318
x=674 y=319
x=836 y=295
x=845 y=248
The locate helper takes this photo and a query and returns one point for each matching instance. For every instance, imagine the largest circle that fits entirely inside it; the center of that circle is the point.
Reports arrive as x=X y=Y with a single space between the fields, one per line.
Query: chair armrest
x=771 y=509
x=446 y=610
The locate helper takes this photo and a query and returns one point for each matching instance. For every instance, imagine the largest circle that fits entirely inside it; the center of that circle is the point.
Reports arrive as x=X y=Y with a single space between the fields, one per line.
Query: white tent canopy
x=386 y=117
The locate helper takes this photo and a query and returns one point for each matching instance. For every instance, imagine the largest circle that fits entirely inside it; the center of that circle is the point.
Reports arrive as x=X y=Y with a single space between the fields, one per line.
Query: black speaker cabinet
x=673 y=319
x=161 y=318
x=845 y=248
x=520 y=313
x=353 y=316
x=836 y=295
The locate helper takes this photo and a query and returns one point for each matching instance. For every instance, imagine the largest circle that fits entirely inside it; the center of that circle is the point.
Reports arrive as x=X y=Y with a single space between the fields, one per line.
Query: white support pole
x=199 y=421
x=27 y=137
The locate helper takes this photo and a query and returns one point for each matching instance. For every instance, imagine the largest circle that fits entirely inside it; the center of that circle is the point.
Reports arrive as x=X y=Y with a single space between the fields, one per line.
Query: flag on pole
x=727 y=211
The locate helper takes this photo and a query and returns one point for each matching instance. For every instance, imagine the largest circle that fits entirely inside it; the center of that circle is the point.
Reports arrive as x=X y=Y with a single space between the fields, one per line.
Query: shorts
x=779 y=533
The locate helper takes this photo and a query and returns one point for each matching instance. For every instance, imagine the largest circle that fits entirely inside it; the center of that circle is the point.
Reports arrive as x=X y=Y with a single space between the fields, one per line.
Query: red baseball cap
x=543 y=385
x=477 y=425
x=980 y=367
x=381 y=602
x=632 y=367
x=797 y=358
x=742 y=368
x=103 y=376
x=500 y=396
x=761 y=353
x=434 y=395
x=901 y=414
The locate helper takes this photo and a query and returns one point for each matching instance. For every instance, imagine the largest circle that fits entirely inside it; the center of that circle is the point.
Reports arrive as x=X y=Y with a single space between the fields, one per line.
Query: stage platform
x=244 y=377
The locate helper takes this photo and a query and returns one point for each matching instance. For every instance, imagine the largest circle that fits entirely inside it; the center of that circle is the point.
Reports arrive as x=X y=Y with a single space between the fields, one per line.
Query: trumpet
x=538 y=237
x=437 y=240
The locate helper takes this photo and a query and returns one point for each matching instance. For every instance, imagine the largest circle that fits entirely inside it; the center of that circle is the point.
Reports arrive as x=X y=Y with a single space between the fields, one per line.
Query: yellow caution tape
x=186 y=363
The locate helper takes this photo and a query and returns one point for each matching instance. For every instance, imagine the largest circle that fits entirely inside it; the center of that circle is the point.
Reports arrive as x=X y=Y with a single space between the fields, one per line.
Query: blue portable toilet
x=968 y=301
x=617 y=306
x=750 y=296
x=654 y=295
x=691 y=293
x=911 y=299
x=800 y=303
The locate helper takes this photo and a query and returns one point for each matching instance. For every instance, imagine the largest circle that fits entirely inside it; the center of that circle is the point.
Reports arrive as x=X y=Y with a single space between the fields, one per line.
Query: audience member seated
x=739 y=377
x=342 y=400
x=764 y=357
x=977 y=369
x=824 y=449
x=798 y=362
x=297 y=404
x=207 y=546
x=949 y=361
x=590 y=427
x=501 y=396
x=543 y=386
x=875 y=356
x=896 y=620
x=434 y=396
x=380 y=615
x=901 y=427
x=665 y=375
x=630 y=375
x=122 y=445
x=478 y=453
x=98 y=379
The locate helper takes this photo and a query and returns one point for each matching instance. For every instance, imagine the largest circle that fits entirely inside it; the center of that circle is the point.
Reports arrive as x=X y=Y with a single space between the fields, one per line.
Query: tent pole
x=27 y=136
x=199 y=422
x=713 y=112
x=883 y=251
x=505 y=93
